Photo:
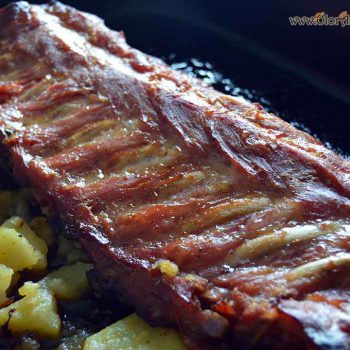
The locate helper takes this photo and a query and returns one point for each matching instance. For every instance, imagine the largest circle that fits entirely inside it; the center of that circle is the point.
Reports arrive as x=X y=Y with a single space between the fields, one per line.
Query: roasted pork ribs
x=199 y=209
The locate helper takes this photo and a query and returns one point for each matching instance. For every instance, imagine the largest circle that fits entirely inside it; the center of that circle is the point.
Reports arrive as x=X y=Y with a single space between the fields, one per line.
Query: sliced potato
x=68 y=282
x=6 y=274
x=133 y=333
x=27 y=237
x=15 y=250
x=35 y=313
x=42 y=228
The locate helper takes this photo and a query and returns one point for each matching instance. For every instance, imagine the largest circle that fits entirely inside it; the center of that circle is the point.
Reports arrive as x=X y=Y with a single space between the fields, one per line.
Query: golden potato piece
x=15 y=250
x=42 y=228
x=133 y=333
x=35 y=313
x=68 y=282
x=34 y=249
x=6 y=274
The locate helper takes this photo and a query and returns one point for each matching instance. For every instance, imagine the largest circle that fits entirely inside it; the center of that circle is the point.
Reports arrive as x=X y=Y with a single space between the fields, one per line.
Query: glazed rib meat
x=199 y=209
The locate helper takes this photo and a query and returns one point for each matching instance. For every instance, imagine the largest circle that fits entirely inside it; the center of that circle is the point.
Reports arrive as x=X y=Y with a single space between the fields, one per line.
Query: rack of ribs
x=199 y=209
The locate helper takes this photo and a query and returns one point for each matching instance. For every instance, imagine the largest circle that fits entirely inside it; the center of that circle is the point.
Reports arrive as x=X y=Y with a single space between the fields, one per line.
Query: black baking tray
x=300 y=73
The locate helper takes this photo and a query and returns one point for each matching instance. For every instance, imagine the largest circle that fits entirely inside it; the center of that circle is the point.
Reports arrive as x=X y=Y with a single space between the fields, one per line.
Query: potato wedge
x=15 y=250
x=25 y=237
x=6 y=274
x=35 y=313
x=68 y=282
x=133 y=333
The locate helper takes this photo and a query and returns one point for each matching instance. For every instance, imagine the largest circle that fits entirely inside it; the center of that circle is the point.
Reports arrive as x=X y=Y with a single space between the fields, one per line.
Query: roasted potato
x=68 y=282
x=20 y=247
x=133 y=333
x=35 y=313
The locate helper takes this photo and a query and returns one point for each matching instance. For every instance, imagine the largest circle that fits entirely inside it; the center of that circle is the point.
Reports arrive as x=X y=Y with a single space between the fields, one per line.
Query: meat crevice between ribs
x=199 y=209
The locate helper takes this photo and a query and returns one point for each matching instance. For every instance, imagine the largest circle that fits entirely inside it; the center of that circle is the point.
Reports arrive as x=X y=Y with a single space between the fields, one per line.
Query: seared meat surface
x=199 y=209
